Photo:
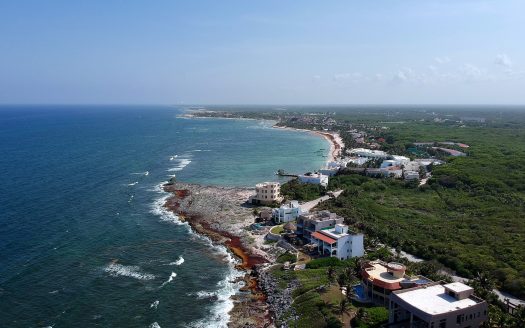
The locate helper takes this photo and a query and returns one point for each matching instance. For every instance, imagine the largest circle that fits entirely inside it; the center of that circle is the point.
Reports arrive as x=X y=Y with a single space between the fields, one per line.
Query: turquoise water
x=84 y=240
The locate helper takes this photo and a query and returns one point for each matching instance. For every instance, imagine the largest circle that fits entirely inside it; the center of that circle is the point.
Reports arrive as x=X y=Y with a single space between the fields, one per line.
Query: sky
x=262 y=52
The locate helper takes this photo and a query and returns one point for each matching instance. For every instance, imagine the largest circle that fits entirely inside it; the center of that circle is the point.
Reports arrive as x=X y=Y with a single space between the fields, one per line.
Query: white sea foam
x=179 y=261
x=158 y=209
x=182 y=163
x=174 y=157
x=219 y=316
x=133 y=183
x=154 y=325
x=141 y=173
x=203 y=294
x=173 y=275
x=154 y=304
x=116 y=270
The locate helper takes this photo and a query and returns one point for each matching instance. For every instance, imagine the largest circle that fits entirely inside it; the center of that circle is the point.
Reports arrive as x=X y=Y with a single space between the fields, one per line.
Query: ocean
x=84 y=240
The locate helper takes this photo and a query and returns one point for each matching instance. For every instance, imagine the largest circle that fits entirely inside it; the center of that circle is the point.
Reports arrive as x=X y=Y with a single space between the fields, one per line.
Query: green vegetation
x=325 y=262
x=286 y=257
x=371 y=317
x=319 y=302
x=294 y=190
x=469 y=216
x=277 y=229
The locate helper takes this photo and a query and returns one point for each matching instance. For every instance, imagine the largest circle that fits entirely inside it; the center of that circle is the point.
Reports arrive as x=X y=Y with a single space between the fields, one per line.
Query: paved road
x=313 y=203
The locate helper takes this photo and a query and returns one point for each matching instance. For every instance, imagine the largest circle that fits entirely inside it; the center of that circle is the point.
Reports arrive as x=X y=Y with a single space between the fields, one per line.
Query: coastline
x=221 y=214
x=335 y=140
x=336 y=143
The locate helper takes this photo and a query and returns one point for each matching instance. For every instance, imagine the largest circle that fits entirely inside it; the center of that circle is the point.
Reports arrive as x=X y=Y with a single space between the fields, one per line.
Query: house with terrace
x=338 y=242
x=309 y=223
x=380 y=279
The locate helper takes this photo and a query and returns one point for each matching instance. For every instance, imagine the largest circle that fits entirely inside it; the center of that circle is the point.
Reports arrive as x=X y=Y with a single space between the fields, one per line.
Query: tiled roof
x=320 y=236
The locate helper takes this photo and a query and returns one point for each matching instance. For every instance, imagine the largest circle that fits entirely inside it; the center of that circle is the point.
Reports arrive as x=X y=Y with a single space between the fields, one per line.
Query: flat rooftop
x=378 y=271
x=433 y=300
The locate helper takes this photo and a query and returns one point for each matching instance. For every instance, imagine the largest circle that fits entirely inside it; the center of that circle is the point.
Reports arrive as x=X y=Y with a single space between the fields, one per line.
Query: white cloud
x=351 y=77
x=503 y=60
x=442 y=60
x=471 y=72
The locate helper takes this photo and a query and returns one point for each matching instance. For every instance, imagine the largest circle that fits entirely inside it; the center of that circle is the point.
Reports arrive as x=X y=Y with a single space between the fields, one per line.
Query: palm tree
x=343 y=305
x=519 y=317
x=342 y=280
x=331 y=274
x=350 y=292
x=483 y=285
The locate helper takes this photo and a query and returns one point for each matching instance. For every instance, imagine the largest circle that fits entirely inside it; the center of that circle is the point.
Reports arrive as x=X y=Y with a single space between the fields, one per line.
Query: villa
x=314 y=178
x=338 y=242
x=307 y=224
x=380 y=279
x=437 y=306
x=287 y=212
x=266 y=193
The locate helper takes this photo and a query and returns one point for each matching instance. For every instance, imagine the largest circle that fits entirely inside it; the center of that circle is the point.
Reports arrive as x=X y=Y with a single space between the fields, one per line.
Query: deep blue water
x=83 y=239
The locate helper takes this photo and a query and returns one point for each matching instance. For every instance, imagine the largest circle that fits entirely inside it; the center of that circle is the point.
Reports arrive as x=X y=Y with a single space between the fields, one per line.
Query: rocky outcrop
x=279 y=300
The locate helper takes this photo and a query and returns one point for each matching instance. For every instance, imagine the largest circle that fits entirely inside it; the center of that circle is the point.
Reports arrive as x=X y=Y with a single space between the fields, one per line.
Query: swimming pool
x=359 y=292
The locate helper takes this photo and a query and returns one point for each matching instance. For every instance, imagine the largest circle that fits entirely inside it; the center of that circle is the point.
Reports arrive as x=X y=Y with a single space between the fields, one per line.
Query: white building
x=287 y=212
x=338 y=242
x=452 y=305
x=363 y=152
x=411 y=175
x=358 y=160
x=392 y=172
x=267 y=193
x=395 y=160
x=314 y=178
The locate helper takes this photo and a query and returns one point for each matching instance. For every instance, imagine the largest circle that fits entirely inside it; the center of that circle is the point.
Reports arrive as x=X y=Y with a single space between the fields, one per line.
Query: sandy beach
x=335 y=140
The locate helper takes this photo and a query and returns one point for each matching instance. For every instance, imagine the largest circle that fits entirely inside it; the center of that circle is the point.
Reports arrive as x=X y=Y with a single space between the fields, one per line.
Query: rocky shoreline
x=221 y=213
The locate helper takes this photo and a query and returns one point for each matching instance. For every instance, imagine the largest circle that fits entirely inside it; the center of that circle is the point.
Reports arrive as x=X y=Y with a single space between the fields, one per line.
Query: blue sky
x=262 y=52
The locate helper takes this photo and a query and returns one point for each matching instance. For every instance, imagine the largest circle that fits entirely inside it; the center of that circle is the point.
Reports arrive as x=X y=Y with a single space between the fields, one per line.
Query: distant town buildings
x=286 y=212
x=314 y=178
x=267 y=193
x=436 y=305
x=363 y=152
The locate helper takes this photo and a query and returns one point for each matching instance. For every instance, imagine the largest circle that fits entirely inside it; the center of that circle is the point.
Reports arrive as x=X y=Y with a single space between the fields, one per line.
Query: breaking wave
x=179 y=261
x=170 y=279
x=157 y=208
x=131 y=271
x=218 y=316
x=182 y=163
